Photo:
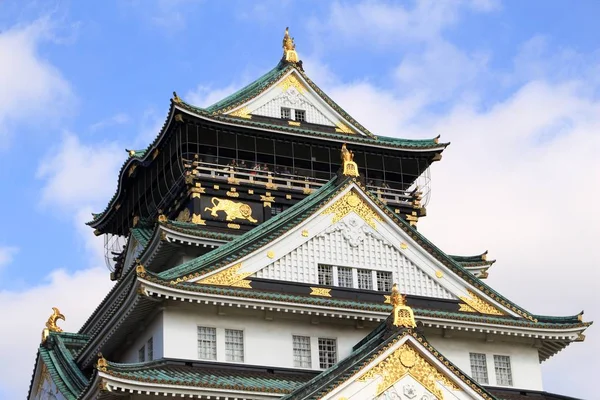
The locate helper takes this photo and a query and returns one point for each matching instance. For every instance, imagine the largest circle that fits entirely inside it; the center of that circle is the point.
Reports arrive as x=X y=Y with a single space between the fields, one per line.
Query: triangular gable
x=416 y=269
x=294 y=91
x=401 y=366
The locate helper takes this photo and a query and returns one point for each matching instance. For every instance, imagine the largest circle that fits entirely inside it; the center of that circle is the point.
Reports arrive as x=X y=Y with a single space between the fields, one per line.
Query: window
x=234 y=345
x=384 y=281
x=325 y=275
x=365 y=279
x=286 y=113
x=142 y=354
x=479 y=367
x=150 y=349
x=327 y=353
x=345 y=277
x=302 y=351
x=300 y=115
x=503 y=371
x=207 y=343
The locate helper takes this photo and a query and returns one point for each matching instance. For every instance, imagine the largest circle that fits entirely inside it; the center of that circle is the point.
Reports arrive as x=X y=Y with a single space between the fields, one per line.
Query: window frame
x=142 y=354
x=322 y=356
x=198 y=327
x=485 y=378
x=287 y=110
x=301 y=360
x=230 y=353
x=150 y=349
x=498 y=369
x=297 y=113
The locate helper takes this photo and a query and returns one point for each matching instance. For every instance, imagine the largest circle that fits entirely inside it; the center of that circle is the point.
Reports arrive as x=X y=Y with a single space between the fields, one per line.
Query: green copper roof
x=57 y=354
x=251 y=90
x=208 y=375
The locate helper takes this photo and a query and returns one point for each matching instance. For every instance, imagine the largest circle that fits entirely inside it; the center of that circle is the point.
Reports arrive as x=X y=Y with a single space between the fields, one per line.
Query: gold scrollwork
x=229 y=277
x=351 y=202
x=317 y=291
x=477 y=304
x=184 y=215
x=197 y=219
x=233 y=226
x=408 y=361
x=341 y=128
x=233 y=210
x=233 y=193
x=243 y=112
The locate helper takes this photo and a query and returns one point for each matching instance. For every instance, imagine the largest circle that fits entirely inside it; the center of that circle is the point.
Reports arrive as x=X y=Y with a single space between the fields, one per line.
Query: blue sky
x=512 y=84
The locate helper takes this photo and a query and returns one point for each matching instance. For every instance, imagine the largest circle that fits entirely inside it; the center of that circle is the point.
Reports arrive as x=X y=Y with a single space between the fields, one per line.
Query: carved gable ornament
x=354 y=231
x=406 y=360
x=352 y=203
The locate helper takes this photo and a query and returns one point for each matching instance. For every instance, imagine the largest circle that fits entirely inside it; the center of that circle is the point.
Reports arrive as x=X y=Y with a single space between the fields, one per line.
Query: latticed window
x=207 y=343
x=384 y=281
x=286 y=113
x=302 y=351
x=142 y=354
x=503 y=370
x=325 y=275
x=150 y=349
x=327 y=352
x=479 y=367
x=365 y=279
x=345 y=277
x=300 y=115
x=234 y=345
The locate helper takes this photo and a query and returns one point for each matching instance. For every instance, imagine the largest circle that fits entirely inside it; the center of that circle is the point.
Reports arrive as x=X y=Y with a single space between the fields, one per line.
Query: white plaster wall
x=266 y=342
x=153 y=330
x=352 y=243
x=524 y=359
x=293 y=99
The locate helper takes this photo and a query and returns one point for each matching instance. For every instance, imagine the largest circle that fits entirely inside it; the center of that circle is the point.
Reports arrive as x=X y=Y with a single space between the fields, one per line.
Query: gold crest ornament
x=51 y=324
x=403 y=314
x=289 y=47
x=350 y=167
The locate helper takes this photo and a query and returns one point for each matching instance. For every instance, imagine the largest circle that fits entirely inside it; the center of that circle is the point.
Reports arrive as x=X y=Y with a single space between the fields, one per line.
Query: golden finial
x=350 y=167
x=51 y=324
x=130 y=152
x=403 y=314
x=101 y=364
x=289 y=47
x=176 y=98
x=162 y=218
x=140 y=270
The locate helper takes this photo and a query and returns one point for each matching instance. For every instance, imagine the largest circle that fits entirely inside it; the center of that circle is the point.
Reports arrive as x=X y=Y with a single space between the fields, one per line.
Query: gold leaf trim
x=229 y=277
x=479 y=305
x=243 y=112
x=351 y=202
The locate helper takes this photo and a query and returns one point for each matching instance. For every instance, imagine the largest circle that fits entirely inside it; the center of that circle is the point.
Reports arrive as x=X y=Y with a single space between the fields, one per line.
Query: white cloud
x=204 y=96
x=79 y=175
x=117 y=119
x=7 y=254
x=25 y=313
x=32 y=89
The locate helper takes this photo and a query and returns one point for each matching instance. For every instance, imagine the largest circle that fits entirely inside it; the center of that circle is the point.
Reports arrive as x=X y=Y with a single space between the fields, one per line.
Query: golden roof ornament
x=350 y=167
x=403 y=314
x=289 y=48
x=51 y=324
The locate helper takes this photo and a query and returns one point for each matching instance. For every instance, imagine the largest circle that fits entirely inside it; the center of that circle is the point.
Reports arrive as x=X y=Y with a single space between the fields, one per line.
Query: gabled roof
x=275 y=227
x=384 y=339
x=56 y=360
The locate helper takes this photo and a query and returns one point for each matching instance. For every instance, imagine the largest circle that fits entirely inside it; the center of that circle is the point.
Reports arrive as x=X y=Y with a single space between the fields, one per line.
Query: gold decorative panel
x=351 y=202
x=408 y=361
x=233 y=210
x=243 y=112
x=229 y=277
x=317 y=291
x=477 y=304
